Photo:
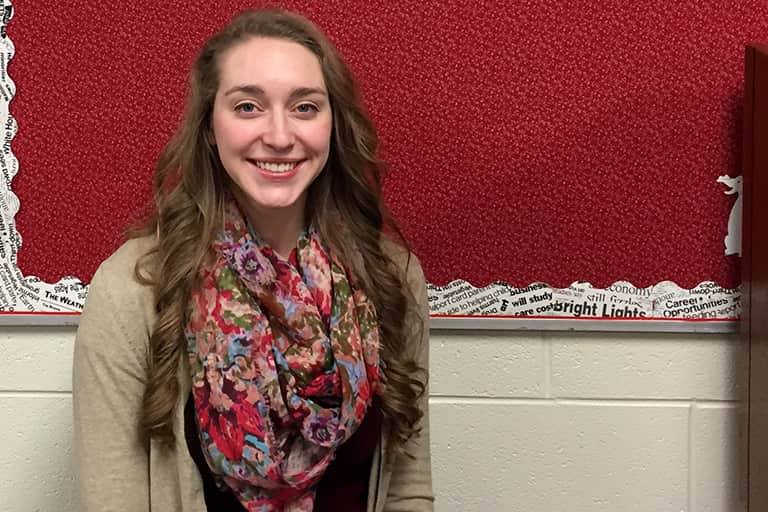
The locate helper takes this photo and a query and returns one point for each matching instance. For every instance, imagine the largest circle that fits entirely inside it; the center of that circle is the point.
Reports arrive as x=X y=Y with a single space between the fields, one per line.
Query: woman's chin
x=266 y=205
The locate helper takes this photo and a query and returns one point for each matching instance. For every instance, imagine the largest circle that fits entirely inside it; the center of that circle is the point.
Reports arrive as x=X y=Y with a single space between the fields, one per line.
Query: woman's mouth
x=276 y=170
x=278 y=167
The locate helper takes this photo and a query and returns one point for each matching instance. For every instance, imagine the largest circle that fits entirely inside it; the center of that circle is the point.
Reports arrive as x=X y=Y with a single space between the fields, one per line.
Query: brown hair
x=189 y=190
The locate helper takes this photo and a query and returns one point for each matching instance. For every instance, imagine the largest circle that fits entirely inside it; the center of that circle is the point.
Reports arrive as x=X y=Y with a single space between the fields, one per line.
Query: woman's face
x=271 y=123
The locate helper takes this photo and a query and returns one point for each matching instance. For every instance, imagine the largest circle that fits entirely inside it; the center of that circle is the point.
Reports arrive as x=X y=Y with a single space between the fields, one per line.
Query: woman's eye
x=306 y=108
x=246 y=108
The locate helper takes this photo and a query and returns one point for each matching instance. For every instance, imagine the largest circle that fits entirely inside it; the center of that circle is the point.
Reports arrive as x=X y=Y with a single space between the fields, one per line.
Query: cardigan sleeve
x=109 y=375
x=410 y=487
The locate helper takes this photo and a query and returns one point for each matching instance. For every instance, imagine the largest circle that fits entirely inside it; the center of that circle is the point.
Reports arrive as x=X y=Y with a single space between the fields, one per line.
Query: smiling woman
x=272 y=136
x=260 y=344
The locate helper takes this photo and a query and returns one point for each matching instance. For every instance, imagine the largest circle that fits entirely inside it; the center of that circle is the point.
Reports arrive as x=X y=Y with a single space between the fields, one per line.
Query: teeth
x=273 y=167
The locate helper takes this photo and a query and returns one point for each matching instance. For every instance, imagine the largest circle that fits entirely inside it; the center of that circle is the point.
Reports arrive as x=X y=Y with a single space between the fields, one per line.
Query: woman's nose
x=279 y=134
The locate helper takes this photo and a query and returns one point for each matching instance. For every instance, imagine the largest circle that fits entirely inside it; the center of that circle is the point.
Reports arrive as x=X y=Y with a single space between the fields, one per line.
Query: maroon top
x=343 y=487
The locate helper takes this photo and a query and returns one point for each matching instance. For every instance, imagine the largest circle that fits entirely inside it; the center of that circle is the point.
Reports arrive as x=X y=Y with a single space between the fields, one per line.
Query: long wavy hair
x=190 y=186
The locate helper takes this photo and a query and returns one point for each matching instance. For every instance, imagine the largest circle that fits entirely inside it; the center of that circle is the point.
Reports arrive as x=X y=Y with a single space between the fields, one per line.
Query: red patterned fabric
x=528 y=141
x=284 y=362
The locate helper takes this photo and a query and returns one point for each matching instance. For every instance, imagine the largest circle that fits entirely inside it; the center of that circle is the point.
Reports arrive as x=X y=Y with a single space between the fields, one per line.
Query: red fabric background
x=527 y=141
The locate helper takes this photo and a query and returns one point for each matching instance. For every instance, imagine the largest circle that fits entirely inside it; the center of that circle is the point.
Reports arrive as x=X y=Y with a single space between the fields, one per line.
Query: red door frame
x=754 y=325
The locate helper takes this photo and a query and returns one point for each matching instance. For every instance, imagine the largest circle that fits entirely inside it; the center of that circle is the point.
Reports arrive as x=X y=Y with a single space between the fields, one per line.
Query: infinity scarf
x=284 y=364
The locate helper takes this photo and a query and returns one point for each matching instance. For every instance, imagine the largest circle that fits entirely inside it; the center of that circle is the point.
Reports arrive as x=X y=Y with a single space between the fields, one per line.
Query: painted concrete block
x=718 y=459
x=703 y=367
x=36 y=469
x=488 y=364
x=496 y=455
x=37 y=359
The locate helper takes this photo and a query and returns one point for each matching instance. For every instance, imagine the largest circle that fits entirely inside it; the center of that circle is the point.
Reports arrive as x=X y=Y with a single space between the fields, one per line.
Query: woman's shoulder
x=118 y=315
x=405 y=261
x=119 y=267
x=116 y=286
x=412 y=275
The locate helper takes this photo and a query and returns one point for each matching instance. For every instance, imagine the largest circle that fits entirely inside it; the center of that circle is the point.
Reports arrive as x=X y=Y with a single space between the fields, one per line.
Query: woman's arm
x=109 y=372
x=410 y=487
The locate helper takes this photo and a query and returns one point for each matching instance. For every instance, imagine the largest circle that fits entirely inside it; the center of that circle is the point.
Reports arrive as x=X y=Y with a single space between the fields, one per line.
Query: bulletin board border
x=456 y=323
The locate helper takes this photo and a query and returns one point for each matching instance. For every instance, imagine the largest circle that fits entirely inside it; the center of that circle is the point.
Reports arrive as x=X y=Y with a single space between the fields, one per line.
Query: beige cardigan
x=117 y=471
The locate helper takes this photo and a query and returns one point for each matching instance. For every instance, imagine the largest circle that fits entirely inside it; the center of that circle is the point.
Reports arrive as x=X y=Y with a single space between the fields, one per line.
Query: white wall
x=523 y=421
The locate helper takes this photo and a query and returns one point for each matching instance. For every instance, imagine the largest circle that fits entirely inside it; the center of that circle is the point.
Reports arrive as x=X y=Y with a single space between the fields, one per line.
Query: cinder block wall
x=521 y=421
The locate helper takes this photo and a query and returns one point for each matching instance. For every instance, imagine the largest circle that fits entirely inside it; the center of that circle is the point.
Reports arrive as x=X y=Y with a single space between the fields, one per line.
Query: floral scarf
x=284 y=364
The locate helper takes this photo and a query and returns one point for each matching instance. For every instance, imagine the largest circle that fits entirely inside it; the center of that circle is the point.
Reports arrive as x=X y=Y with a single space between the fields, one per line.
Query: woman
x=261 y=344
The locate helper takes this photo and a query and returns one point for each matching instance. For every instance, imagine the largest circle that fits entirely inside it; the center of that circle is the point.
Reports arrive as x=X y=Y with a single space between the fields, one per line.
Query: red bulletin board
x=527 y=141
